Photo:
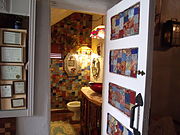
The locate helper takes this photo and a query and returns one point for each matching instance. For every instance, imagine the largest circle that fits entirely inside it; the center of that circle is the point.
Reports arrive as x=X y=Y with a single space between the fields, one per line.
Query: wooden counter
x=92 y=96
x=91 y=106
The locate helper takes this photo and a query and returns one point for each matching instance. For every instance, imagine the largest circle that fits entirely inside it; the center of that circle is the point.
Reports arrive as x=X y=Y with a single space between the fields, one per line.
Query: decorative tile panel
x=121 y=98
x=126 y=23
x=114 y=127
x=124 y=62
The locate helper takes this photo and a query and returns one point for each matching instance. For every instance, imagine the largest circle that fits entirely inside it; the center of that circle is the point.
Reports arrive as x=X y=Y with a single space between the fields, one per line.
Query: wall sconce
x=171 y=34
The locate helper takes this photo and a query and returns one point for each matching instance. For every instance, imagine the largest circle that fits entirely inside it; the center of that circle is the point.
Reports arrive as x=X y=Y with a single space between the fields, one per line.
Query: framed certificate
x=13 y=38
x=6 y=91
x=11 y=73
x=17 y=102
x=19 y=87
x=11 y=54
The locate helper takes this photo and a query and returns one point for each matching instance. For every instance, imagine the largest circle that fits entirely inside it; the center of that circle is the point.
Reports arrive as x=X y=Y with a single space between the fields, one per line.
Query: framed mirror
x=71 y=64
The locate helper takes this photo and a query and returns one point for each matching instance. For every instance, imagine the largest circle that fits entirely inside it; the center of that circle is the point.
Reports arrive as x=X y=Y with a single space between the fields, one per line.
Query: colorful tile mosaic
x=114 y=127
x=8 y=126
x=71 y=32
x=66 y=88
x=126 y=23
x=121 y=98
x=124 y=62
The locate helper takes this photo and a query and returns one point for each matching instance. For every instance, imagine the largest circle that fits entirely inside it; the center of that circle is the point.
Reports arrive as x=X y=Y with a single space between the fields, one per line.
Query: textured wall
x=166 y=73
x=70 y=32
x=64 y=88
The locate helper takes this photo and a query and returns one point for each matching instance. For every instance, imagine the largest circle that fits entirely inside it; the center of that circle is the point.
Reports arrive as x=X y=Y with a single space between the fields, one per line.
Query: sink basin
x=97 y=87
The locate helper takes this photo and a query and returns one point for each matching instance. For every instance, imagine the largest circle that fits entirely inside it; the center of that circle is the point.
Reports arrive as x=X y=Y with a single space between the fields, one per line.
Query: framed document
x=13 y=38
x=6 y=91
x=11 y=54
x=17 y=102
x=19 y=87
x=11 y=73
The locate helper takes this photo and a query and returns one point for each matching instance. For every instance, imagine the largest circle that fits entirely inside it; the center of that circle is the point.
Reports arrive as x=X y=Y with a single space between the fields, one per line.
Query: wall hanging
x=171 y=33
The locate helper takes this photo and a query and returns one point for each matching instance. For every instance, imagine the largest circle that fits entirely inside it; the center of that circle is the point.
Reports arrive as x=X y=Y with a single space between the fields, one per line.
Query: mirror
x=71 y=64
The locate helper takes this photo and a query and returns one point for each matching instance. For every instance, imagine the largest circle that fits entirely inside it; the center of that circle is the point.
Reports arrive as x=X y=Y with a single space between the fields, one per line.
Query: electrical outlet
x=3 y=5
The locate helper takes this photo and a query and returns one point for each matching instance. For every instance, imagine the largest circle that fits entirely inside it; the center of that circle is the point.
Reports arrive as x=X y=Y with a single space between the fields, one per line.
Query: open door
x=127 y=79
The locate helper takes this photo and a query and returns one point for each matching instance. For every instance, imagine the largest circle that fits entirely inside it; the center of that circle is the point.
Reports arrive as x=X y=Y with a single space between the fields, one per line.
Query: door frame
x=149 y=64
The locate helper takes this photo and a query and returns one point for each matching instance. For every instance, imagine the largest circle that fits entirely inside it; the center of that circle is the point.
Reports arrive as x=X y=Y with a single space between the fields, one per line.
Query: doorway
x=73 y=54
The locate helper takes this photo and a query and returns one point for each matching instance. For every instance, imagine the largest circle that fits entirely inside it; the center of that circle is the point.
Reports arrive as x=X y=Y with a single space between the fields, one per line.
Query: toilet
x=74 y=106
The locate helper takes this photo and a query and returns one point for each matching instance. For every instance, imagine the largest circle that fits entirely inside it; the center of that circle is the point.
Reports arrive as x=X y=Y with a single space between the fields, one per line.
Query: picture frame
x=19 y=87
x=12 y=54
x=11 y=72
x=6 y=91
x=17 y=102
x=12 y=37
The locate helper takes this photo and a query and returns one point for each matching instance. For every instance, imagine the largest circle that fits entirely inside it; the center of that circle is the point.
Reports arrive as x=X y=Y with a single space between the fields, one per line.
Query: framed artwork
x=17 y=102
x=126 y=23
x=11 y=72
x=95 y=67
x=6 y=91
x=121 y=98
x=124 y=62
x=12 y=38
x=114 y=127
x=11 y=54
x=19 y=87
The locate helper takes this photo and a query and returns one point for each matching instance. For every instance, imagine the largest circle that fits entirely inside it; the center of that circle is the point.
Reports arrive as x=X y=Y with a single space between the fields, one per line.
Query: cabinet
x=17 y=56
x=91 y=105
x=18 y=7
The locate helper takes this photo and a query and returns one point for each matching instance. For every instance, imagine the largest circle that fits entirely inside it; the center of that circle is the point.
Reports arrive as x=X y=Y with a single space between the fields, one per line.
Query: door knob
x=141 y=72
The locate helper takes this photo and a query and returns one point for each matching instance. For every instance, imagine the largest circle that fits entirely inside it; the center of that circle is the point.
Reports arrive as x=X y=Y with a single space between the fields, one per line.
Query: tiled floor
x=65 y=116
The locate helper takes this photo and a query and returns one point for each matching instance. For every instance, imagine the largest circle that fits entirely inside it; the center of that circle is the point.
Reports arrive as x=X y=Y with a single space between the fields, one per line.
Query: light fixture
x=99 y=31
x=84 y=50
x=171 y=33
x=55 y=55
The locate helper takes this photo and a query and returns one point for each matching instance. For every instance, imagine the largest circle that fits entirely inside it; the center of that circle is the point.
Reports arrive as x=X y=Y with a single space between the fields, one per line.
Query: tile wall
x=65 y=35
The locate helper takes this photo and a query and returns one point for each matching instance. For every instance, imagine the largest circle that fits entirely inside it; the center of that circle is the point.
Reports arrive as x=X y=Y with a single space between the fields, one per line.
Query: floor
x=65 y=116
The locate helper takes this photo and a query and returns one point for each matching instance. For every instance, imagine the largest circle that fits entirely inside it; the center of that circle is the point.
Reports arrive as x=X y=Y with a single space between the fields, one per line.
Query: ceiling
x=59 y=14
x=93 y=6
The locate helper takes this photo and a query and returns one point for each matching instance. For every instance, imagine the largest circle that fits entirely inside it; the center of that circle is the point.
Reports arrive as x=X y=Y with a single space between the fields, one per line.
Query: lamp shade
x=98 y=32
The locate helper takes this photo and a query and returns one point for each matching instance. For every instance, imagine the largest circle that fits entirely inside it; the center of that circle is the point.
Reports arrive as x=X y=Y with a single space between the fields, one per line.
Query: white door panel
x=140 y=84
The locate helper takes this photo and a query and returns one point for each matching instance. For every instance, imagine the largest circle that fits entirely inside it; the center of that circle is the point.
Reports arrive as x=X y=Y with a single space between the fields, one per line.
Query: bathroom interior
x=71 y=35
x=70 y=40
x=76 y=60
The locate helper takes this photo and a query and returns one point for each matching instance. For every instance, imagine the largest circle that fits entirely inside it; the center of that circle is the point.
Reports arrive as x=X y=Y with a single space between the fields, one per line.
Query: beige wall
x=95 y=43
x=166 y=71
x=39 y=123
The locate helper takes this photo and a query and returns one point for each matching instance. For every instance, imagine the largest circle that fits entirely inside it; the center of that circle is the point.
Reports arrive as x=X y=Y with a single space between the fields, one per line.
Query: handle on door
x=139 y=102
